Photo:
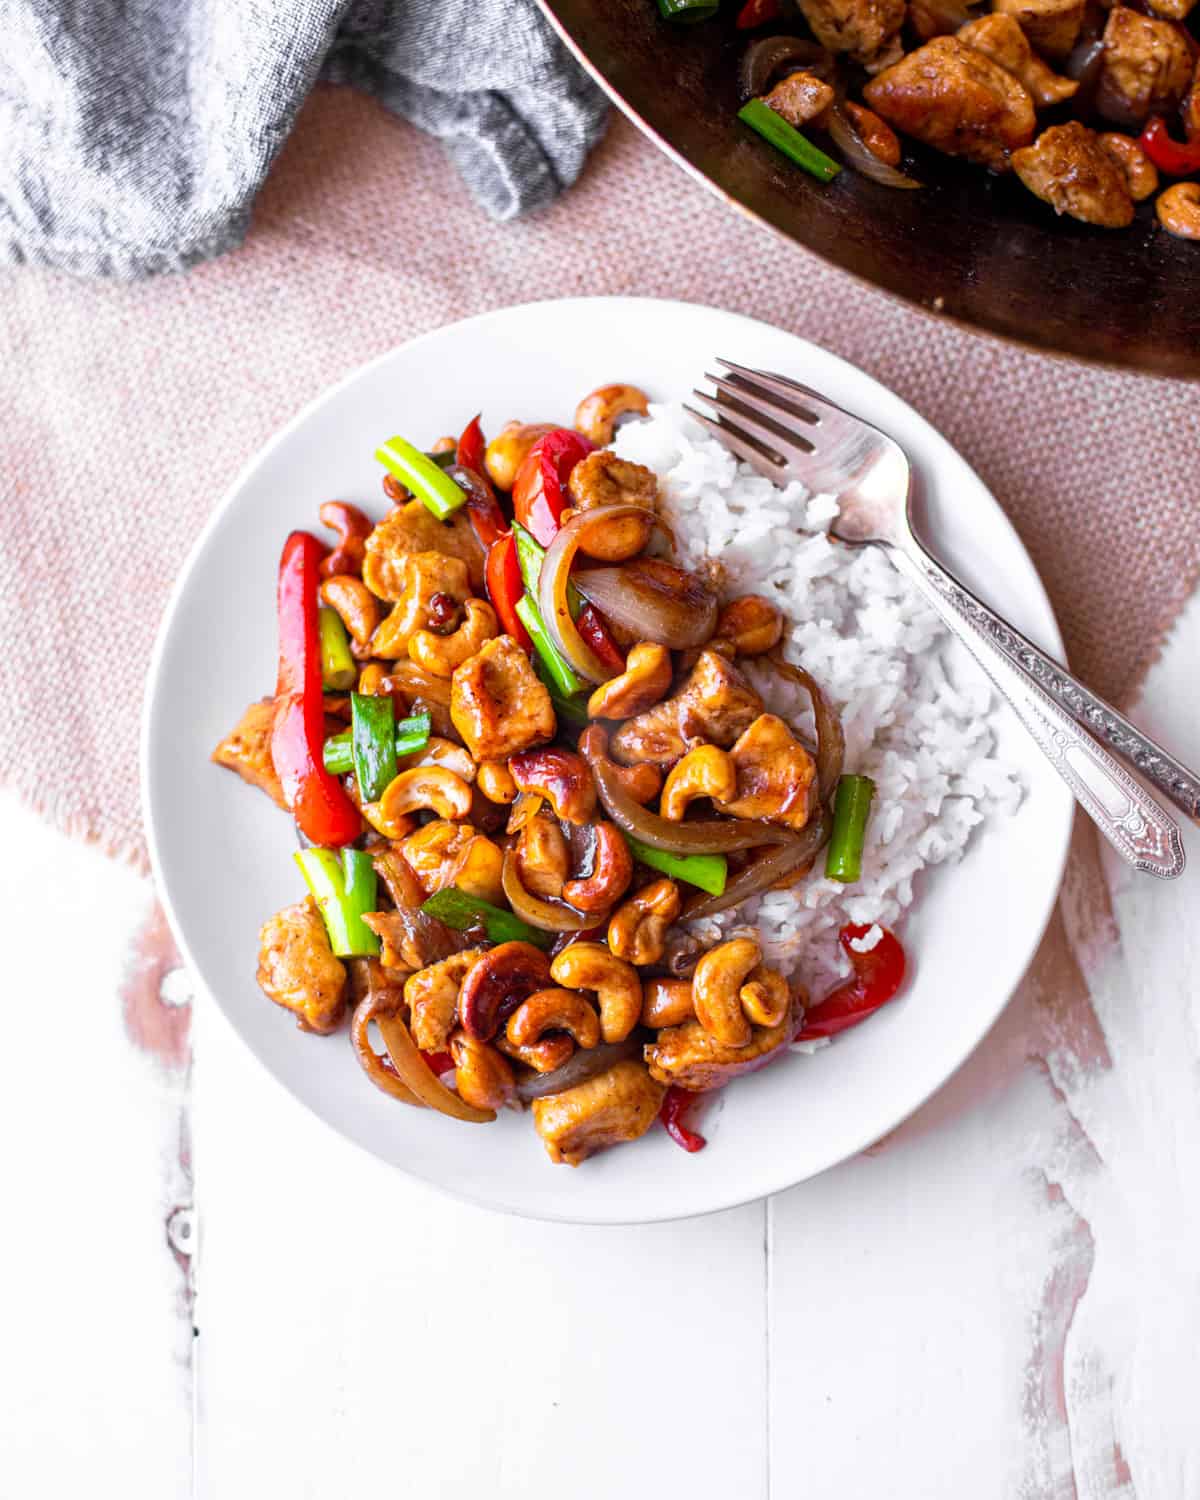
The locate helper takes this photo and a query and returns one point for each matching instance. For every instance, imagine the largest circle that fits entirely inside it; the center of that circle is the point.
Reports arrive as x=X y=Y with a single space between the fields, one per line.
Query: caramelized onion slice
x=653 y=600
x=763 y=59
x=549 y=916
x=413 y=1071
x=584 y=1063
x=770 y=866
x=831 y=740
x=859 y=155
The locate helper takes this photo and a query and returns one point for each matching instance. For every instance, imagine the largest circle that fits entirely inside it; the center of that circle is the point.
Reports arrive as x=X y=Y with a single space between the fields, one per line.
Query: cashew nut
x=612 y=870
x=667 y=1002
x=637 y=931
x=561 y=776
x=354 y=603
x=421 y=577
x=432 y=787
x=596 y=415
x=644 y=682
x=442 y=854
x=642 y=782
x=481 y=1076
x=590 y=966
x=716 y=990
x=493 y=779
x=1178 y=210
x=765 y=996
x=506 y=451
x=543 y=861
x=751 y=623
x=437 y=751
x=353 y=529
x=444 y=445
x=553 y=1010
x=614 y=539
x=544 y=1056
x=496 y=985
x=370 y=678
x=440 y=654
x=706 y=771
x=431 y=995
x=1141 y=175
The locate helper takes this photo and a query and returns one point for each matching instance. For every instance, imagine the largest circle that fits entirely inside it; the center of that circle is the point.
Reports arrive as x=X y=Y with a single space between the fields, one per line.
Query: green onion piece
x=851 y=807
x=343 y=889
x=412 y=734
x=530 y=556
x=373 y=743
x=338 y=671
x=774 y=128
x=460 y=910
x=436 y=490
x=566 y=682
x=687 y=12
x=708 y=871
x=572 y=710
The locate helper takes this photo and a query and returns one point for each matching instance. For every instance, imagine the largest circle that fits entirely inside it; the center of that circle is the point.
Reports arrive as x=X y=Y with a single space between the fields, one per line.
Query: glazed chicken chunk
x=604 y=479
x=692 y=1058
x=1068 y=168
x=246 y=749
x=776 y=776
x=714 y=706
x=297 y=968
x=498 y=703
x=1052 y=26
x=412 y=528
x=954 y=98
x=799 y=98
x=1146 y=70
x=618 y=1105
x=1000 y=38
x=864 y=28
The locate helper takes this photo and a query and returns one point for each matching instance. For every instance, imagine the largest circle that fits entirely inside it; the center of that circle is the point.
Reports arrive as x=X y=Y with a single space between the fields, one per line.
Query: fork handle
x=1044 y=696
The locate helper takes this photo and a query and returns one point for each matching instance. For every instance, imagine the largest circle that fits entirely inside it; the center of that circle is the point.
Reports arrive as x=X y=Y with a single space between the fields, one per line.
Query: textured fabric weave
x=134 y=134
x=125 y=411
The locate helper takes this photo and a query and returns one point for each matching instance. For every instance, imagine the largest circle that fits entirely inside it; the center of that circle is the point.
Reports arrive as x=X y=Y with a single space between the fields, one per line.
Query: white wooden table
x=206 y=1291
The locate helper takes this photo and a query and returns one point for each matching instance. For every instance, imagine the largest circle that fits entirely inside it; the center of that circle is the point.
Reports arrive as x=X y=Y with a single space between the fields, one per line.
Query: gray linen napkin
x=134 y=134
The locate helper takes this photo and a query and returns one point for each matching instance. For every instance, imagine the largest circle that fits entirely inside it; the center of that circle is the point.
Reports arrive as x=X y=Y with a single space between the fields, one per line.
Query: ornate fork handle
x=1044 y=696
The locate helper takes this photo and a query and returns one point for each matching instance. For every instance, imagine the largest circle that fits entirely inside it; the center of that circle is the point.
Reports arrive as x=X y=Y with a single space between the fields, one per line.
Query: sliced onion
x=831 y=740
x=553 y=589
x=763 y=59
x=584 y=1063
x=859 y=155
x=766 y=869
x=415 y=1073
x=1085 y=65
x=653 y=600
x=711 y=836
x=550 y=916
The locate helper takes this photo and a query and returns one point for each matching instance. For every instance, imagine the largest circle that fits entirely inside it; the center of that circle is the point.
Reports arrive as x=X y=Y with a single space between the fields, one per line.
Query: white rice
x=914 y=722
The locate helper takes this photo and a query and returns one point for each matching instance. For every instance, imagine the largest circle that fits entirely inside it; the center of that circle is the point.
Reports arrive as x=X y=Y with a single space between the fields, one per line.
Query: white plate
x=223 y=853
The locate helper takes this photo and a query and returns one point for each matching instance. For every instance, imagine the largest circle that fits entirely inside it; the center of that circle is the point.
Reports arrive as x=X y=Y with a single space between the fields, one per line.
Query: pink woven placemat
x=126 y=410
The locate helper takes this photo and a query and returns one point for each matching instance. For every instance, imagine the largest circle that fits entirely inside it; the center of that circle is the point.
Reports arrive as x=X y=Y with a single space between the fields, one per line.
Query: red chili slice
x=878 y=975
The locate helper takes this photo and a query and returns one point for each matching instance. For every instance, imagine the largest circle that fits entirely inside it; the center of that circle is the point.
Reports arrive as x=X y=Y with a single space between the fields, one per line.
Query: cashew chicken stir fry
x=522 y=756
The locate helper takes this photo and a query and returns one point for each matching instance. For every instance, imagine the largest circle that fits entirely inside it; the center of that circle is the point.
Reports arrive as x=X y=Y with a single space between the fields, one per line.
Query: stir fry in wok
x=523 y=757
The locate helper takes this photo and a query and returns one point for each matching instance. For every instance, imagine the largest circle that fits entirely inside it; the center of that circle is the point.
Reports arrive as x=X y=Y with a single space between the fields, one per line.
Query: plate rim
x=152 y=686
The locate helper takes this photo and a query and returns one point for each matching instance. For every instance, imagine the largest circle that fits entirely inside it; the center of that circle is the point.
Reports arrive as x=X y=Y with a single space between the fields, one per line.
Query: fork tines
x=756 y=416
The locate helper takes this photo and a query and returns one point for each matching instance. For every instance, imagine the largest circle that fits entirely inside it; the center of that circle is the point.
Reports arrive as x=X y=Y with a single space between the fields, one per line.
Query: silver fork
x=787 y=431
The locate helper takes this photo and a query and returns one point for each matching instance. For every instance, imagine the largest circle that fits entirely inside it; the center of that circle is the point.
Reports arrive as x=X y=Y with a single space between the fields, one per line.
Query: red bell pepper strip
x=592 y=626
x=319 y=803
x=676 y=1104
x=1169 y=155
x=471 y=447
x=505 y=587
x=487 y=519
x=757 y=13
x=878 y=974
x=539 y=493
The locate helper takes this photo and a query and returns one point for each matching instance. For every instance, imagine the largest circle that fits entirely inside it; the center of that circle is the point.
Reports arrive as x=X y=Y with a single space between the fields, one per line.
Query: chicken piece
x=864 y=28
x=1172 y=10
x=776 y=776
x=297 y=968
x=420 y=577
x=431 y=995
x=715 y=705
x=443 y=853
x=954 y=98
x=498 y=703
x=691 y=1057
x=1000 y=38
x=1052 y=26
x=1146 y=70
x=1069 y=169
x=604 y=479
x=799 y=98
x=617 y=1105
x=246 y=749
x=412 y=528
